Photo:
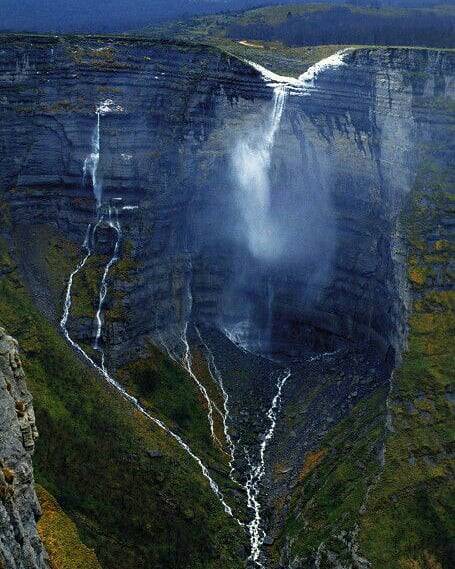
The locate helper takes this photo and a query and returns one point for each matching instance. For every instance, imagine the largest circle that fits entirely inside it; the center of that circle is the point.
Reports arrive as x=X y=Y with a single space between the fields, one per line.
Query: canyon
x=179 y=225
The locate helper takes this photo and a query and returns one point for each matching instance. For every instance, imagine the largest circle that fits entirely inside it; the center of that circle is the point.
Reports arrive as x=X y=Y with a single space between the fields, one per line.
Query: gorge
x=214 y=274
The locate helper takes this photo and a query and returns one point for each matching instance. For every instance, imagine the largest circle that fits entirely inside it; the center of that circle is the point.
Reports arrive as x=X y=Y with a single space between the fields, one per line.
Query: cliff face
x=20 y=544
x=177 y=114
x=181 y=132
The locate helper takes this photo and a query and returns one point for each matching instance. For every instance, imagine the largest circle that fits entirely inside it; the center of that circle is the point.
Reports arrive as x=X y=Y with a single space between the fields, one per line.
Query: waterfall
x=218 y=379
x=257 y=472
x=111 y=381
x=114 y=224
x=251 y=164
x=312 y=72
x=102 y=370
x=187 y=364
x=91 y=166
x=92 y=160
x=80 y=265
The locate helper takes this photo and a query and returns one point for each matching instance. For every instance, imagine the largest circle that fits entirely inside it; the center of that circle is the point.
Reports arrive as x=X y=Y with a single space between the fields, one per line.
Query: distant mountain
x=120 y=15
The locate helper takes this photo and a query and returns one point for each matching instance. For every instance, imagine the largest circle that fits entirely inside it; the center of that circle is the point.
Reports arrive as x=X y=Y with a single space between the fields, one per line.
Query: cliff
x=20 y=546
x=329 y=294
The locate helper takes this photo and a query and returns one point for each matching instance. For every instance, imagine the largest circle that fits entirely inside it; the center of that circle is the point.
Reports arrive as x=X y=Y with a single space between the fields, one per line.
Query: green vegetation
x=274 y=55
x=333 y=482
x=61 y=538
x=405 y=519
x=134 y=510
x=409 y=522
x=169 y=391
x=289 y=38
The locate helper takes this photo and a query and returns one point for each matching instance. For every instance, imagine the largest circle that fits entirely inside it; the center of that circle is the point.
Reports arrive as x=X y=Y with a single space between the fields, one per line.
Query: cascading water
x=187 y=364
x=105 y=374
x=251 y=163
x=80 y=266
x=257 y=472
x=115 y=225
x=91 y=166
x=92 y=161
x=218 y=379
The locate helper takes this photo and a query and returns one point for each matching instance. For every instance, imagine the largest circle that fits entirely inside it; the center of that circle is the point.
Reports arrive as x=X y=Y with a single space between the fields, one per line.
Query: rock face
x=178 y=138
x=340 y=168
x=20 y=545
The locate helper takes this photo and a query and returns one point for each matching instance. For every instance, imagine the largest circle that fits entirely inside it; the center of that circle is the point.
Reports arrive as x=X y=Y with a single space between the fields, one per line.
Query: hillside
x=288 y=38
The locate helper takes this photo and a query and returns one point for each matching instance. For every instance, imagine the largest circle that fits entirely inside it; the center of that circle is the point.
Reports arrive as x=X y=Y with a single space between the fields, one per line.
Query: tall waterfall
x=252 y=158
x=251 y=165
x=90 y=166
x=267 y=238
x=92 y=161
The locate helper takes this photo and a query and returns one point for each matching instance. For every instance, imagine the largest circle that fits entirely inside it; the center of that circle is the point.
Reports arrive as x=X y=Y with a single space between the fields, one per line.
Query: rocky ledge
x=20 y=545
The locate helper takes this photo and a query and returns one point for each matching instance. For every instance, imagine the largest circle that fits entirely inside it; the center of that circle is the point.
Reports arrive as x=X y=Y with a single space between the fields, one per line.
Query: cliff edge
x=20 y=544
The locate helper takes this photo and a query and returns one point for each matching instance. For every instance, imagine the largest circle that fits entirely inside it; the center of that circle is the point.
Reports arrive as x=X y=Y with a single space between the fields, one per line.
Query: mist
x=281 y=186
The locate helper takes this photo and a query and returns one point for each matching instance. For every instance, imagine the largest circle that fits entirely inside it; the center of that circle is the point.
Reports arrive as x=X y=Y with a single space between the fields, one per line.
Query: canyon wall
x=177 y=112
x=333 y=292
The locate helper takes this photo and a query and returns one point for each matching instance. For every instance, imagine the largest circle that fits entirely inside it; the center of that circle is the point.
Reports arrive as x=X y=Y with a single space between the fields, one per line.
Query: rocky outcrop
x=20 y=545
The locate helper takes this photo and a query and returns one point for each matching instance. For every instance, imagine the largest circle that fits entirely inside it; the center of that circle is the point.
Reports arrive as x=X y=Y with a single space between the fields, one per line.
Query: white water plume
x=115 y=225
x=273 y=78
x=251 y=161
x=251 y=164
x=257 y=472
x=91 y=162
x=304 y=80
x=312 y=72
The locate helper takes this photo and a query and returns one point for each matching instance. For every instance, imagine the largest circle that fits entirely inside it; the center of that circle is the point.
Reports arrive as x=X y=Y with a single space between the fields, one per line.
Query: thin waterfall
x=79 y=267
x=91 y=166
x=105 y=374
x=257 y=472
x=187 y=364
x=218 y=379
x=115 y=225
x=91 y=162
